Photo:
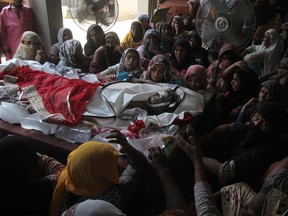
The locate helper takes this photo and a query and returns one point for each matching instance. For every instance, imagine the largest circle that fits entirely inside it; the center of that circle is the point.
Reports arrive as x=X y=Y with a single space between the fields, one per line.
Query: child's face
x=131 y=61
x=194 y=83
x=157 y=73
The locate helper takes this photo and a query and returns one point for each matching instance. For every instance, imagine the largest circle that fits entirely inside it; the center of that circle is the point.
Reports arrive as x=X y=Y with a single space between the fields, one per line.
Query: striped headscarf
x=67 y=53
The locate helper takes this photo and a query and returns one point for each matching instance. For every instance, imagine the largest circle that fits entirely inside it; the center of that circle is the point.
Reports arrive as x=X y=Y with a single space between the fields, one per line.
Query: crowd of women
x=237 y=156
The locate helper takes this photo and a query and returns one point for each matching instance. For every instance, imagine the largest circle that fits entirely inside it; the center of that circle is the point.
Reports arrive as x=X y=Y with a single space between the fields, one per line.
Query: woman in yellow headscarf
x=92 y=171
x=134 y=37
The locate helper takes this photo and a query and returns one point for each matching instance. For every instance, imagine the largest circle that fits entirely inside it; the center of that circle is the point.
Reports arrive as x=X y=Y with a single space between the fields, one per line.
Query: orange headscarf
x=91 y=169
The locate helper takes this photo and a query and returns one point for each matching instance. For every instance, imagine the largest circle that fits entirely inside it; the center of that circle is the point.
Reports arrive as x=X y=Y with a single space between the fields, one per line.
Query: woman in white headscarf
x=266 y=56
x=63 y=35
x=29 y=46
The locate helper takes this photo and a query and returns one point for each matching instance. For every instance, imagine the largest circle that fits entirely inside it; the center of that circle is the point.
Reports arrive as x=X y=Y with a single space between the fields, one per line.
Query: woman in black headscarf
x=95 y=39
x=180 y=56
x=197 y=51
x=270 y=90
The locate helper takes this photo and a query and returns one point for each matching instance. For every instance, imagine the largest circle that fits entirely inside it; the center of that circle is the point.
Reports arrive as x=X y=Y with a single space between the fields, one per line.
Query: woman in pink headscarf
x=228 y=55
x=196 y=78
x=159 y=71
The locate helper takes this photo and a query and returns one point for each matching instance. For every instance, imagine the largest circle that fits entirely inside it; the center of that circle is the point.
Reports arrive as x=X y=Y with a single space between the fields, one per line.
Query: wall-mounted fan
x=225 y=21
x=88 y=12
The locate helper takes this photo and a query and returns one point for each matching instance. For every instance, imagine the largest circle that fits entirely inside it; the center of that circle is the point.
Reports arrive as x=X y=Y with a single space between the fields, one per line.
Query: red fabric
x=136 y=127
x=55 y=90
x=186 y=120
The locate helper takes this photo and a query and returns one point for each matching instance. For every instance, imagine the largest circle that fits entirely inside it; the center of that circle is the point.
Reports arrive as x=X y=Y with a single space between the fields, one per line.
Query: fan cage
x=230 y=23
x=83 y=15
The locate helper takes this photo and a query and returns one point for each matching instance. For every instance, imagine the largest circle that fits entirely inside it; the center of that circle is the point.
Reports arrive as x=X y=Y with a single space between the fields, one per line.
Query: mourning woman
x=108 y=54
x=71 y=55
x=95 y=39
x=93 y=172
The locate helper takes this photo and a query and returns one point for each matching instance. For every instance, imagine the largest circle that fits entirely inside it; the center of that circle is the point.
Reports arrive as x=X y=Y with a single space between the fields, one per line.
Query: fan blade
x=230 y=21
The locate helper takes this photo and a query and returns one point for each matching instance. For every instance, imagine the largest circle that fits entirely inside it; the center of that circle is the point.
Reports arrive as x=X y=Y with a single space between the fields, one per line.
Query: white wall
x=48 y=14
x=128 y=8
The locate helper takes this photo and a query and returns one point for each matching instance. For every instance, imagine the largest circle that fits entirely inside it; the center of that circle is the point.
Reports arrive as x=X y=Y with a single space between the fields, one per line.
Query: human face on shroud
x=131 y=61
x=162 y=97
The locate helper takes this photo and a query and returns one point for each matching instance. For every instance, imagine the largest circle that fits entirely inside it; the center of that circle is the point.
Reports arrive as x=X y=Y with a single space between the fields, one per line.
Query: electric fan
x=87 y=12
x=225 y=21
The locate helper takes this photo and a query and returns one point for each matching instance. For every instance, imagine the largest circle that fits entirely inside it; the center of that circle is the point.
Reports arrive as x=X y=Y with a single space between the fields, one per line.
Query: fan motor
x=221 y=24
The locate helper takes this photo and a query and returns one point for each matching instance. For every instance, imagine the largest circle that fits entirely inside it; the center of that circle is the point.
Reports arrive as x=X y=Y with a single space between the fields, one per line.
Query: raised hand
x=157 y=158
x=191 y=148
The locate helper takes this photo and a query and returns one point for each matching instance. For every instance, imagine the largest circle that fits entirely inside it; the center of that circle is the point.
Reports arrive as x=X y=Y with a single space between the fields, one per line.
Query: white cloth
x=18 y=62
x=108 y=103
x=115 y=97
x=93 y=208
